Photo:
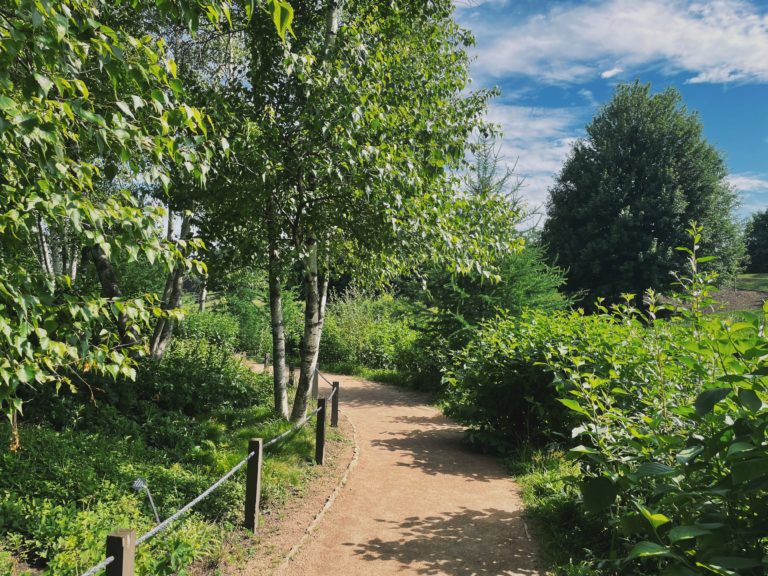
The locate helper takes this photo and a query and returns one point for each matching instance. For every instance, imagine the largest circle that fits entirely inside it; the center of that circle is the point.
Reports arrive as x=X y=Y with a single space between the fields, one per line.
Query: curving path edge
x=418 y=501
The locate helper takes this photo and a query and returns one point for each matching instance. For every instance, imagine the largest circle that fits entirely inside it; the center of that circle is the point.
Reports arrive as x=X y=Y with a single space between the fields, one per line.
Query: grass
x=755 y=282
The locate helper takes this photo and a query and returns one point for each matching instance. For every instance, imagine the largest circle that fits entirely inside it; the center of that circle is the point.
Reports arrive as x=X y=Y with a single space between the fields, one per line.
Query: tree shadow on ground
x=463 y=543
x=440 y=450
x=371 y=394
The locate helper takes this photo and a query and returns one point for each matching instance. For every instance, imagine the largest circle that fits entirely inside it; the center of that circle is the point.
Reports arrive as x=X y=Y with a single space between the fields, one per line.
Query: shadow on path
x=369 y=395
x=465 y=543
x=439 y=450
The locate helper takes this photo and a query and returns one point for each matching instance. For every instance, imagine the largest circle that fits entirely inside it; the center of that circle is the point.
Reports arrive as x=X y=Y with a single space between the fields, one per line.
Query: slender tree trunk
x=276 y=312
x=315 y=288
x=44 y=250
x=203 y=300
x=74 y=263
x=171 y=300
x=110 y=288
x=332 y=25
x=278 y=334
x=315 y=294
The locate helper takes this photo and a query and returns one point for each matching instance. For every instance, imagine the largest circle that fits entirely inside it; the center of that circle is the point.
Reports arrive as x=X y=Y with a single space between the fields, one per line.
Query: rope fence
x=122 y=544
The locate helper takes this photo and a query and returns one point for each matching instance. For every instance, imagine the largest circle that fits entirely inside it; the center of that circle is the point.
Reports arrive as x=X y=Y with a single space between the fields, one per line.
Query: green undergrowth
x=70 y=483
x=757 y=282
x=568 y=537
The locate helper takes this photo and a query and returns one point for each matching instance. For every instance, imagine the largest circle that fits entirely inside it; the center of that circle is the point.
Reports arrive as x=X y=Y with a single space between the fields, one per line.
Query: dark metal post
x=253 y=483
x=335 y=406
x=122 y=545
x=320 y=432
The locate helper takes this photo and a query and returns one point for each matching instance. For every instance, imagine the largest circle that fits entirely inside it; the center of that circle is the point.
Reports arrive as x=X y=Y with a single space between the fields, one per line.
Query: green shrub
x=670 y=421
x=196 y=377
x=365 y=332
x=217 y=328
x=247 y=299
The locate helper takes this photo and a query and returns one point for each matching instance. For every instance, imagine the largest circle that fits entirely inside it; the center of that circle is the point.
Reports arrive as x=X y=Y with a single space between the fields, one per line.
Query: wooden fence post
x=316 y=384
x=335 y=406
x=253 y=483
x=320 y=432
x=122 y=545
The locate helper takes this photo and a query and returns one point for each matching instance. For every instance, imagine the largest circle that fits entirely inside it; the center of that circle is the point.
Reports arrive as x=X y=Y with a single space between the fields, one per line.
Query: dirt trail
x=418 y=501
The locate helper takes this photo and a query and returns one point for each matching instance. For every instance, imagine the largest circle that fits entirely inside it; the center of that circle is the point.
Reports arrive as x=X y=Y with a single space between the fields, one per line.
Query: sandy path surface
x=418 y=501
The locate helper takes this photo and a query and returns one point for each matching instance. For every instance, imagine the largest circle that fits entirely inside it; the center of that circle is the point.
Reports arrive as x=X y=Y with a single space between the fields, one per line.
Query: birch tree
x=82 y=102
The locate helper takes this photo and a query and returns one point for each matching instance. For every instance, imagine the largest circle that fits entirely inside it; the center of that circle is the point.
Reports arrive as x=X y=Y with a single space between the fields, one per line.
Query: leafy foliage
x=670 y=418
x=185 y=421
x=81 y=101
x=757 y=242
x=628 y=190
x=366 y=332
x=220 y=329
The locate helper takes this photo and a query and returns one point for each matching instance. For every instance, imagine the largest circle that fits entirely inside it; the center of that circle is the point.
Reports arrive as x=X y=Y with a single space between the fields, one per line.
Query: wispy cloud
x=749 y=182
x=611 y=73
x=753 y=189
x=535 y=142
x=718 y=41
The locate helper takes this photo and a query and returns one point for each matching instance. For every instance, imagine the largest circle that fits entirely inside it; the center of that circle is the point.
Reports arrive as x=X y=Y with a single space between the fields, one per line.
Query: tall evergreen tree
x=757 y=242
x=623 y=200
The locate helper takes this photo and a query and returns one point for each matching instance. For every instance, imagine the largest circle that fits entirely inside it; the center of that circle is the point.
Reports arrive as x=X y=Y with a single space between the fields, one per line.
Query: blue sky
x=556 y=62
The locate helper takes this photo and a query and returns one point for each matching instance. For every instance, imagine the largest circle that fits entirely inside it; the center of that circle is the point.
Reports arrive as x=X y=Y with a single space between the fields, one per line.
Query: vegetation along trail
x=419 y=502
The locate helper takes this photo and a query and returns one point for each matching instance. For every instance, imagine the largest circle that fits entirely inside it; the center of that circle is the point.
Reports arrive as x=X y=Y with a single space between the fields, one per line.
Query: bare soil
x=282 y=527
x=418 y=502
x=733 y=300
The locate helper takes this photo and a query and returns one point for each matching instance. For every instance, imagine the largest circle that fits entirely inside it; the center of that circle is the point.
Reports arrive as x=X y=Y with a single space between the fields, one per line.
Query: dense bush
x=218 y=328
x=367 y=332
x=757 y=242
x=671 y=423
x=196 y=377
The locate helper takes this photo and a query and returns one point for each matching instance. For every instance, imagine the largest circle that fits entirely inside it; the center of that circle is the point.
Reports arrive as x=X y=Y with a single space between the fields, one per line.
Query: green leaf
x=747 y=470
x=735 y=562
x=739 y=448
x=687 y=454
x=124 y=108
x=7 y=104
x=750 y=400
x=655 y=520
x=645 y=549
x=654 y=469
x=686 y=533
x=282 y=14
x=598 y=493
x=573 y=405
x=706 y=401
x=45 y=84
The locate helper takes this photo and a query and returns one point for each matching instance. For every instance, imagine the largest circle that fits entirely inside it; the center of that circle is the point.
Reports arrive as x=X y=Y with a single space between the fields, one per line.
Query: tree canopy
x=757 y=242
x=90 y=103
x=623 y=200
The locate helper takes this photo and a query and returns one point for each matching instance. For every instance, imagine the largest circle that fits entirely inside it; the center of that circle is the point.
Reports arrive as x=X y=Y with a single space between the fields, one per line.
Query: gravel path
x=418 y=501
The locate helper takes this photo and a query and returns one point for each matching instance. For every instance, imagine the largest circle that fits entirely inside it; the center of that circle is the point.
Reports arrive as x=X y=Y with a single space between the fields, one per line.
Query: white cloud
x=714 y=41
x=611 y=73
x=469 y=4
x=749 y=182
x=536 y=142
x=753 y=189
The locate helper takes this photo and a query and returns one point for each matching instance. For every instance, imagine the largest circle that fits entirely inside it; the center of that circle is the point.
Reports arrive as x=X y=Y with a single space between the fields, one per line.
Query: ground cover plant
x=666 y=417
x=183 y=423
